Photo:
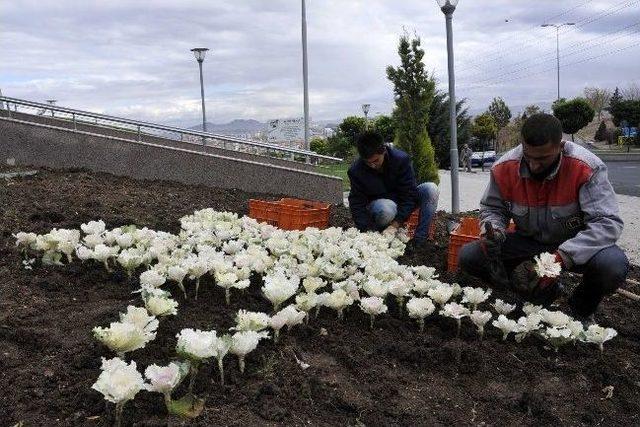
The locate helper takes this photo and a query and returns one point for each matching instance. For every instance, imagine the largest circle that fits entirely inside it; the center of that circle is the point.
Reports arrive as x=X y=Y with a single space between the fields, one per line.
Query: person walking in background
x=466 y=155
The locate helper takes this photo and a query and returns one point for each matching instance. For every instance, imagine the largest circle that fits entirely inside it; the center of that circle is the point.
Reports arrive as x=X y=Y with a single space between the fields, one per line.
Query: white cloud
x=132 y=57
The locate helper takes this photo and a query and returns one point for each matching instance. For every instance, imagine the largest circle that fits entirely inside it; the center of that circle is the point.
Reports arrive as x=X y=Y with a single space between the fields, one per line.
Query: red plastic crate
x=467 y=231
x=290 y=214
x=412 y=224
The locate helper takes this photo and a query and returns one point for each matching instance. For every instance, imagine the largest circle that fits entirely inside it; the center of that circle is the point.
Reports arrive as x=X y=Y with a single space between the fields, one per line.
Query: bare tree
x=598 y=98
x=632 y=93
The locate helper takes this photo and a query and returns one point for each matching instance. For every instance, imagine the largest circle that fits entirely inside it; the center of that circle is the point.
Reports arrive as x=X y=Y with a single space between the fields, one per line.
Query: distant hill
x=236 y=126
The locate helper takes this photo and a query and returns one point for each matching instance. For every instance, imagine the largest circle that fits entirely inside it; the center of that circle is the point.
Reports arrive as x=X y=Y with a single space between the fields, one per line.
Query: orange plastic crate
x=264 y=211
x=467 y=231
x=291 y=214
x=412 y=224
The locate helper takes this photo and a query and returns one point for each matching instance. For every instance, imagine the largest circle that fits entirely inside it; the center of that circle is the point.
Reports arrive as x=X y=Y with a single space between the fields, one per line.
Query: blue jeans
x=383 y=211
x=605 y=272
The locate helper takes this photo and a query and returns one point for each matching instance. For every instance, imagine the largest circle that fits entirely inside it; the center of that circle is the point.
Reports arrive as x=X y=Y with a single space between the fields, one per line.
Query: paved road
x=625 y=177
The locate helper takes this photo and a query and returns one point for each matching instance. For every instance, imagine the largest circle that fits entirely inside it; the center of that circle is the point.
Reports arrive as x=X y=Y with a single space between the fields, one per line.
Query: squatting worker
x=560 y=198
x=384 y=192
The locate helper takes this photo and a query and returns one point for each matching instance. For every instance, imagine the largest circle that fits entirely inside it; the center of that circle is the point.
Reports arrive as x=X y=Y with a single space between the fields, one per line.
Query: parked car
x=480 y=157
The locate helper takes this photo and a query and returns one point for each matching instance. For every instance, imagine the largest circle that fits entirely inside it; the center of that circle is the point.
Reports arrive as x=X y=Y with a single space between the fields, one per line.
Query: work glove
x=491 y=240
x=538 y=289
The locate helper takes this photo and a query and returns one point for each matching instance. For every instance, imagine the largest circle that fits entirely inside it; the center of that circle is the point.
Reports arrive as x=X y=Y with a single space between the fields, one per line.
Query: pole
x=305 y=75
x=455 y=197
x=558 y=57
x=204 y=116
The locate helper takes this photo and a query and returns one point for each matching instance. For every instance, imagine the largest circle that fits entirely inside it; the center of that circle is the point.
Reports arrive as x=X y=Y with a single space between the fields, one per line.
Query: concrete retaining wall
x=43 y=145
x=119 y=133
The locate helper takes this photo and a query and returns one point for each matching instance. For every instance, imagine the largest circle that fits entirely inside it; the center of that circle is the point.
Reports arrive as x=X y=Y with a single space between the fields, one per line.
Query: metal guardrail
x=186 y=136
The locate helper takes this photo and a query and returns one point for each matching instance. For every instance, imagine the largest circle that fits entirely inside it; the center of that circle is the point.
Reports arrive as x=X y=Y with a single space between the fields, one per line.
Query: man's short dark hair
x=370 y=142
x=540 y=129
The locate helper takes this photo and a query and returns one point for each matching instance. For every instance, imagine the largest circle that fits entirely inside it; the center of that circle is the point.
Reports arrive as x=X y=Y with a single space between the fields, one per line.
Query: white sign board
x=285 y=130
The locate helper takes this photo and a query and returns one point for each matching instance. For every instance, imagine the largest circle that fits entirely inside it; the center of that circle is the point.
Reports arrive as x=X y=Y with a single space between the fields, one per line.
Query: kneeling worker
x=384 y=191
x=560 y=198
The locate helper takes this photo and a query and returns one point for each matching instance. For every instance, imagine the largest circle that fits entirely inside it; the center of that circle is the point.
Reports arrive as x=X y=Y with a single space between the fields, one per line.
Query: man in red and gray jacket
x=560 y=198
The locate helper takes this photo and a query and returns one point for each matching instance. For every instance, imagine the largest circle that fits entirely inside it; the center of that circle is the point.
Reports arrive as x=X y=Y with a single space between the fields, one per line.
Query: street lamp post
x=199 y=53
x=305 y=75
x=365 y=110
x=448 y=7
x=557 y=27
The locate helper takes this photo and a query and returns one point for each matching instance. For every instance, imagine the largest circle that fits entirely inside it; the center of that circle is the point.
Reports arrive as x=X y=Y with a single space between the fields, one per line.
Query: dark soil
x=392 y=375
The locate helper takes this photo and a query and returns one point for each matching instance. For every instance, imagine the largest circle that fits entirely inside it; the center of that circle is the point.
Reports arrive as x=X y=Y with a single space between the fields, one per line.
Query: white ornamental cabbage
x=124 y=240
x=163 y=379
x=83 y=253
x=419 y=308
x=130 y=259
x=338 y=300
x=139 y=317
x=375 y=287
x=557 y=337
x=251 y=321
x=400 y=288
x=152 y=278
x=221 y=347
x=480 y=318
x=556 y=319
x=577 y=329
x=196 y=345
x=455 y=311
x=306 y=302
x=292 y=316
x=119 y=382
x=26 y=240
x=598 y=335
x=277 y=322
x=177 y=273
x=158 y=302
x=373 y=306
x=502 y=307
x=93 y=227
x=528 y=324
x=529 y=308
x=278 y=288
x=505 y=325
x=93 y=240
x=441 y=293
x=244 y=342
x=546 y=265
x=122 y=337
x=103 y=253
x=475 y=296
x=312 y=284
x=424 y=272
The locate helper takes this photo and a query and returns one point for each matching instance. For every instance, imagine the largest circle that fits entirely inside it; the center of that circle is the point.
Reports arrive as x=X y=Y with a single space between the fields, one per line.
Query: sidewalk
x=472 y=186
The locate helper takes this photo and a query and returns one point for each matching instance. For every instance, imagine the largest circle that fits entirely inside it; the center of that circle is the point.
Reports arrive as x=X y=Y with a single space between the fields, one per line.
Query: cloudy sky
x=131 y=58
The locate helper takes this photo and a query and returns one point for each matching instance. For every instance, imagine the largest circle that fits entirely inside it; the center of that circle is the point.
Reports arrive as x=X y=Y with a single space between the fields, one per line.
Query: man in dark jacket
x=384 y=191
x=560 y=198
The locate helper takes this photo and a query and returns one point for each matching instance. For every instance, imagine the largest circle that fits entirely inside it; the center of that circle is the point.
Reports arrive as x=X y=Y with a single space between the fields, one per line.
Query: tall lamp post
x=365 y=110
x=199 y=53
x=557 y=27
x=305 y=75
x=448 y=7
